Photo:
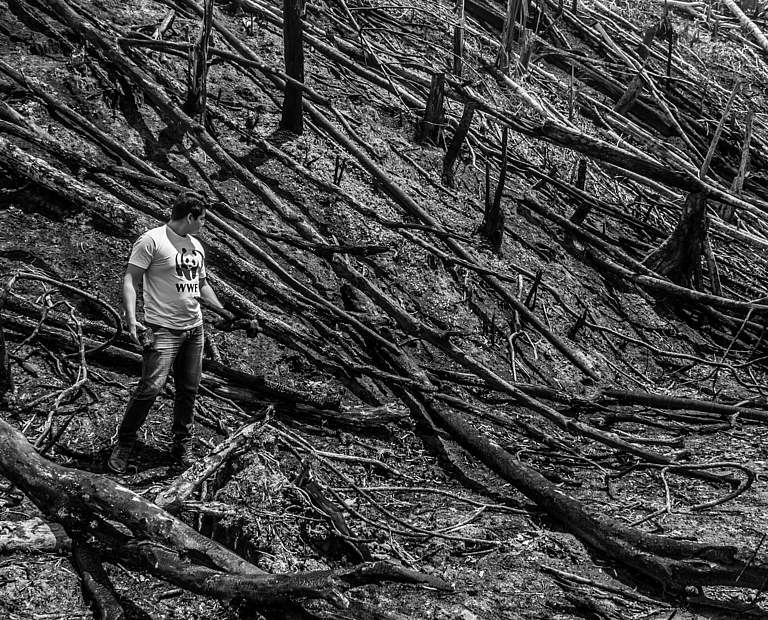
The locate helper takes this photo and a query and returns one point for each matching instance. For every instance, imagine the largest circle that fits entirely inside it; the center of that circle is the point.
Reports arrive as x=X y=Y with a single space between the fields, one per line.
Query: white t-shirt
x=174 y=266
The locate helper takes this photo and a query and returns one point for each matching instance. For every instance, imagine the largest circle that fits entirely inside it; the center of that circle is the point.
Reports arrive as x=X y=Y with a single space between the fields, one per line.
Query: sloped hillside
x=499 y=279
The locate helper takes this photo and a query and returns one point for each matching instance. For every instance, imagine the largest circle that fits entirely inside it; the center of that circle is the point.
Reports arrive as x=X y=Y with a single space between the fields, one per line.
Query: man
x=171 y=264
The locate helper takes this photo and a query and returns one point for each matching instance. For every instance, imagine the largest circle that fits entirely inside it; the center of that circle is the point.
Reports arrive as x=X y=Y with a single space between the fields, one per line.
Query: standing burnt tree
x=493 y=220
x=517 y=10
x=197 y=72
x=430 y=128
x=458 y=139
x=458 y=38
x=679 y=257
x=293 y=34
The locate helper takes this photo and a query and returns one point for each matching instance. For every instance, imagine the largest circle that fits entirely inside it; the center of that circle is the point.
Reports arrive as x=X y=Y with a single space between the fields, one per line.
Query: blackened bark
x=458 y=139
x=293 y=47
x=197 y=91
x=679 y=257
x=458 y=39
x=493 y=221
x=431 y=126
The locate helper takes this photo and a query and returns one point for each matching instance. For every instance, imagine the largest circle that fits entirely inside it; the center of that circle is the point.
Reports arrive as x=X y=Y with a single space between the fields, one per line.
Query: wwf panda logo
x=188 y=263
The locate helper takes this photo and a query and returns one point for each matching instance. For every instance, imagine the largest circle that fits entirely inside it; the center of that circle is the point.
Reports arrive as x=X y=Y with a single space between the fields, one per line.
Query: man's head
x=188 y=214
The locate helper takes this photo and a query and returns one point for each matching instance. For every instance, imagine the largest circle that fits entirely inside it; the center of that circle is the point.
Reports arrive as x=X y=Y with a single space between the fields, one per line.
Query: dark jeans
x=181 y=350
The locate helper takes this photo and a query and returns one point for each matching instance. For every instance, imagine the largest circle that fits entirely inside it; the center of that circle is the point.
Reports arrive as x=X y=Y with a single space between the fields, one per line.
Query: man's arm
x=133 y=275
x=209 y=300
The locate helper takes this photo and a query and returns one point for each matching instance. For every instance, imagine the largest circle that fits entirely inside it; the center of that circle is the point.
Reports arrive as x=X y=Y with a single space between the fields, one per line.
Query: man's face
x=196 y=223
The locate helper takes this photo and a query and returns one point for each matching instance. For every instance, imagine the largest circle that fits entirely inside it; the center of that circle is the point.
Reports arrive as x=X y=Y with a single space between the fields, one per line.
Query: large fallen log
x=671 y=563
x=663 y=401
x=106 y=211
x=162 y=544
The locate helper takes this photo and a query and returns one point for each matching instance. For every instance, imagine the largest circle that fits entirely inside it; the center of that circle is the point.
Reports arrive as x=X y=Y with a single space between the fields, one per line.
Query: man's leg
x=156 y=364
x=187 y=370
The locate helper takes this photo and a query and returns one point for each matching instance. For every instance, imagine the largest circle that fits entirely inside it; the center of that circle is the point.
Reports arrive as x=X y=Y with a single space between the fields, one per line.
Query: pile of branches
x=686 y=216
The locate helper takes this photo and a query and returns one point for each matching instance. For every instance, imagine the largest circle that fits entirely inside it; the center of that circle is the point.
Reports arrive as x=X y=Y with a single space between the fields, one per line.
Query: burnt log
x=83 y=502
x=108 y=214
x=6 y=377
x=458 y=38
x=172 y=498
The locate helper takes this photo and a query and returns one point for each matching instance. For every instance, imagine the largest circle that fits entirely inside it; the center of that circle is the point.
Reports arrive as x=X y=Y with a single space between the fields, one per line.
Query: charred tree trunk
x=431 y=126
x=679 y=257
x=197 y=77
x=631 y=95
x=172 y=498
x=517 y=11
x=505 y=45
x=458 y=139
x=107 y=213
x=458 y=39
x=493 y=220
x=168 y=548
x=582 y=211
x=293 y=47
x=33 y=536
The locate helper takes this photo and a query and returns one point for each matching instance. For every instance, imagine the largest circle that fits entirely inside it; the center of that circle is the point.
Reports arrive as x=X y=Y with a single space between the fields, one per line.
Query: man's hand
x=224 y=322
x=133 y=329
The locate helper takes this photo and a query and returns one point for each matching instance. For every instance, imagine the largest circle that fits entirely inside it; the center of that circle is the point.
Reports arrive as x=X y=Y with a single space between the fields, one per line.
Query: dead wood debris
x=366 y=351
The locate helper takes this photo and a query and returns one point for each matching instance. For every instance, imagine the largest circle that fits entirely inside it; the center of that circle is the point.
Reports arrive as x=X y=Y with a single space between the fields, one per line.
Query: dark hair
x=188 y=204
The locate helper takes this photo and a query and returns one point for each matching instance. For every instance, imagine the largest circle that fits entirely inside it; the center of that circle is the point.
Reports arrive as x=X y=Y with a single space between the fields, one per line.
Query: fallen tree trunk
x=662 y=401
x=69 y=496
x=106 y=211
x=161 y=543
x=670 y=562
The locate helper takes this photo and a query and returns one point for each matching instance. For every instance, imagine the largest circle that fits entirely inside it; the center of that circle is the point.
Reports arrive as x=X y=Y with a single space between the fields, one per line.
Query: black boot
x=180 y=456
x=118 y=460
